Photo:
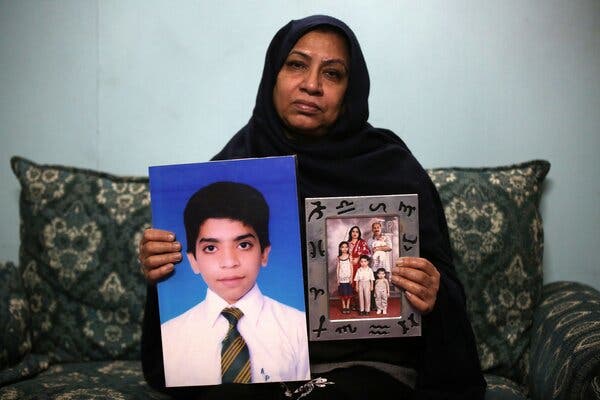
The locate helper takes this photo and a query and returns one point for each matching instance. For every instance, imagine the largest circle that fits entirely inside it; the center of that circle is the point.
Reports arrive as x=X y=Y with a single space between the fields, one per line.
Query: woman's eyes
x=295 y=64
x=333 y=74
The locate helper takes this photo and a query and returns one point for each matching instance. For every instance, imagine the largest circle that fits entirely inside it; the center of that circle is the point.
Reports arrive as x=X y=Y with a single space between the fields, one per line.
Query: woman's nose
x=312 y=81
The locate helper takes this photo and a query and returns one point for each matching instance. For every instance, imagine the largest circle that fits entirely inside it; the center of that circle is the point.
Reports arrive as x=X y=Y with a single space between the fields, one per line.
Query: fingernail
x=400 y=262
x=177 y=246
x=171 y=237
x=178 y=257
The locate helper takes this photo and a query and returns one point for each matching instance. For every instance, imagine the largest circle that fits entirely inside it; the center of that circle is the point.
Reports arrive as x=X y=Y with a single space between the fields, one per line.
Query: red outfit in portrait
x=356 y=250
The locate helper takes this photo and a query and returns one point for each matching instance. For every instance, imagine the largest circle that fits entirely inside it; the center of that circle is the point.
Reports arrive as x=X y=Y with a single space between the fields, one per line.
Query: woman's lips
x=306 y=106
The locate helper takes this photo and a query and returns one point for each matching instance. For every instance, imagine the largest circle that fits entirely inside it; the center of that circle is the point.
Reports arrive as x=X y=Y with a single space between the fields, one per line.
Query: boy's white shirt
x=274 y=332
x=364 y=274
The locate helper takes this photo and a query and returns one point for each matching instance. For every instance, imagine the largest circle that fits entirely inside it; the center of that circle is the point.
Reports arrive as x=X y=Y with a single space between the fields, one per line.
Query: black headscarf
x=355 y=159
x=324 y=164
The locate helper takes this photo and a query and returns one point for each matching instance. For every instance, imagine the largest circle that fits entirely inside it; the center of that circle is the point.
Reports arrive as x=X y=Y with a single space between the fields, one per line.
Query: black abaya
x=355 y=159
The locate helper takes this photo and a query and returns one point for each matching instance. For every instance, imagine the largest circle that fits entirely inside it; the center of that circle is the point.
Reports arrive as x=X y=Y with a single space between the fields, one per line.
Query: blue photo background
x=275 y=177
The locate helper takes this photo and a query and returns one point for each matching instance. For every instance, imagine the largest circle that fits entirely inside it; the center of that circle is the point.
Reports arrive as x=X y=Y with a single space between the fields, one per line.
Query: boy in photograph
x=364 y=279
x=236 y=334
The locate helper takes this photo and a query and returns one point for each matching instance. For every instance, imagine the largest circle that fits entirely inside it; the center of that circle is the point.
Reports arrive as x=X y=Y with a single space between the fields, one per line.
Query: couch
x=71 y=307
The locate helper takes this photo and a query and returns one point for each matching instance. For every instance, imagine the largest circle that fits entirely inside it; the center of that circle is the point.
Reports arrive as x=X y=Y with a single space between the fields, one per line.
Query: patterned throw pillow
x=14 y=316
x=497 y=243
x=79 y=235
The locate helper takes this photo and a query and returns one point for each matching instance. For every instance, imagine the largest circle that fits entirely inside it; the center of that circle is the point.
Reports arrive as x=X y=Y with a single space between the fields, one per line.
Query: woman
x=313 y=102
x=358 y=247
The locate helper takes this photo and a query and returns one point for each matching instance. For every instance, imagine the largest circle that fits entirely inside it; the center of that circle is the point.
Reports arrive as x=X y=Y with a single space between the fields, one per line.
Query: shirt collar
x=251 y=304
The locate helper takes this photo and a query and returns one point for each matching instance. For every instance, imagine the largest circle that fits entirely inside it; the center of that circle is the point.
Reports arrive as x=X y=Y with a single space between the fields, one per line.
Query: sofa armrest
x=29 y=366
x=565 y=343
x=15 y=338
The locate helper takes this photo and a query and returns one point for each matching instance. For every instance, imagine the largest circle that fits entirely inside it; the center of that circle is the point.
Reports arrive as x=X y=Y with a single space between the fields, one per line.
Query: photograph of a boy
x=236 y=334
x=364 y=278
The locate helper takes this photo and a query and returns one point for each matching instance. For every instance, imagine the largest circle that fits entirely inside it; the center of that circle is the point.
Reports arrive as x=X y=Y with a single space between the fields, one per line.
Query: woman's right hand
x=159 y=252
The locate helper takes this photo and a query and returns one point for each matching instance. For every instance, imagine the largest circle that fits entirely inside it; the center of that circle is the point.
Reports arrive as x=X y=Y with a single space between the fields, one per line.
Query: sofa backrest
x=78 y=256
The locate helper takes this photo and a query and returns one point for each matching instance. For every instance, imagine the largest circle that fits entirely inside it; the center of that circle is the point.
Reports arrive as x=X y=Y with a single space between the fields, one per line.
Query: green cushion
x=497 y=243
x=79 y=235
x=92 y=380
x=15 y=339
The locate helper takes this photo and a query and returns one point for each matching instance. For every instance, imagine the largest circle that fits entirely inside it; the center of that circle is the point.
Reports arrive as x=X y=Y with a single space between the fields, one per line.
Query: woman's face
x=355 y=233
x=309 y=92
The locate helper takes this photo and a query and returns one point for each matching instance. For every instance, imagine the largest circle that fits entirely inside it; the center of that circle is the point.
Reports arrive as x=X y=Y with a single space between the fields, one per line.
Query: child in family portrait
x=344 y=276
x=364 y=284
x=382 y=291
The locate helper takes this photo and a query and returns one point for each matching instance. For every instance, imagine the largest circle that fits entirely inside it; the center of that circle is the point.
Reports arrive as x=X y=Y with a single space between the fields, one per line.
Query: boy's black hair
x=229 y=200
x=379 y=270
x=366 y=257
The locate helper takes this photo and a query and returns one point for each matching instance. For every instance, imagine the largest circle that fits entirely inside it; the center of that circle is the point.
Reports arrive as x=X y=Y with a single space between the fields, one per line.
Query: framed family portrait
x=233 y=310
x=352 y=244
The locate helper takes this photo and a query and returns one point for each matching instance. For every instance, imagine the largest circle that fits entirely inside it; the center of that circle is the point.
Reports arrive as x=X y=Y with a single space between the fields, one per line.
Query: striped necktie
x=235 y=357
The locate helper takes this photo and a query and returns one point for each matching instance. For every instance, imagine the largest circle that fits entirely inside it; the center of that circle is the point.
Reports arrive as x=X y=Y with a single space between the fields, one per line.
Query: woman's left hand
x=420 y=279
